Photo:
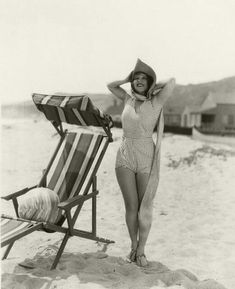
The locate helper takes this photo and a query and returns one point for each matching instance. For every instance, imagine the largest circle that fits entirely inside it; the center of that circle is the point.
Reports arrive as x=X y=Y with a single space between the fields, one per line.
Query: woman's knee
x=145 y=219
x=132 y=208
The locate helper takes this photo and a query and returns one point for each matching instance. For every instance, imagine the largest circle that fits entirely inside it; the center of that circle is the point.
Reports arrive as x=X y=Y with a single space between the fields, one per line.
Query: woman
x=138 y=158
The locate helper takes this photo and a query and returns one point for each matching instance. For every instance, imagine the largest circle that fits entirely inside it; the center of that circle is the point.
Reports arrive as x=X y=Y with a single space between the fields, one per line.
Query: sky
x=78 y=46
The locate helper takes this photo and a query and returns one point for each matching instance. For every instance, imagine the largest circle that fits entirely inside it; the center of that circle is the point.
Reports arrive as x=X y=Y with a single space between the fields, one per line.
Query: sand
x=191 y=243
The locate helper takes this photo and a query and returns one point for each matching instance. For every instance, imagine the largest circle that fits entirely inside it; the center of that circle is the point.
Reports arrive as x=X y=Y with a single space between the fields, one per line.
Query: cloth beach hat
x=145 y=68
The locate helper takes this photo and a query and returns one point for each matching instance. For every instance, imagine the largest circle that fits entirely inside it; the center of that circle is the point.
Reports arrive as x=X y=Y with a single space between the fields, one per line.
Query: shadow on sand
x=99 y=270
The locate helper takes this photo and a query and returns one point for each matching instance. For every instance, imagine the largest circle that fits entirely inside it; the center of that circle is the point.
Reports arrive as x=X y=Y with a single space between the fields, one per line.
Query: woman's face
x=140 y=83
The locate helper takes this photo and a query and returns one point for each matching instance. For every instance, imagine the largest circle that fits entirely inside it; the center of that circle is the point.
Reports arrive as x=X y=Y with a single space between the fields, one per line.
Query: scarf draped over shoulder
x=146 y=207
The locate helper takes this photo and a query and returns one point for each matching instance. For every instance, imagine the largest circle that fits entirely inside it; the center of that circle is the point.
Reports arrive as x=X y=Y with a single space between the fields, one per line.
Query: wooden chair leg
x=8 y=249
x=94 y=216
x=60 y=251
x=94 y=188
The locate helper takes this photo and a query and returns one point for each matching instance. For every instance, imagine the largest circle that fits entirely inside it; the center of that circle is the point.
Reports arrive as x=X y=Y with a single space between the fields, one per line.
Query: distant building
x=173 y=115
x=215 y=113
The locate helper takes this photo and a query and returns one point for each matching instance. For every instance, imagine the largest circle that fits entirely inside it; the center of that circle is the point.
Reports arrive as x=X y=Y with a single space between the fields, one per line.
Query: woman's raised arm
x=115 y=88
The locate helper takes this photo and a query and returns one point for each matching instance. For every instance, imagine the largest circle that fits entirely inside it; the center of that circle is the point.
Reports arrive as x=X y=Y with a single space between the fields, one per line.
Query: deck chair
x=71 y=172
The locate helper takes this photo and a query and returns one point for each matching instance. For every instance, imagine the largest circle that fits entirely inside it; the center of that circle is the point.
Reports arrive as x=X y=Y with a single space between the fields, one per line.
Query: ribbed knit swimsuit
x=138 y=122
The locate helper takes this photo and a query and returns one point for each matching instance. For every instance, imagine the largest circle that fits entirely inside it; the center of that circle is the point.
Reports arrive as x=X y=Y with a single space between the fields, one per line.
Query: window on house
x=166 y=118
x=228 y=119
x=175 y=119
x=185 y=120
x=208 y=118
x=172 y=119
x=225 y=119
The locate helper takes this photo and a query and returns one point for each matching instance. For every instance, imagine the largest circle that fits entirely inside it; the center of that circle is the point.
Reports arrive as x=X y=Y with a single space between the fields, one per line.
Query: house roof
x=194 y=108
x=211 y=101
x=183 y=97
x=225 y=98
x=196 y=101
x=173 y=109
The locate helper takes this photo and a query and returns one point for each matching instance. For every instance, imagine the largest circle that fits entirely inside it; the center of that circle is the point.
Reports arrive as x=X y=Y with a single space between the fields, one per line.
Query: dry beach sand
x=192 y=240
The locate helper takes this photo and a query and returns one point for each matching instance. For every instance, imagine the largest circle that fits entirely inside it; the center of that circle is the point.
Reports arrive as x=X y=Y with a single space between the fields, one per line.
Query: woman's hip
x=136 y=154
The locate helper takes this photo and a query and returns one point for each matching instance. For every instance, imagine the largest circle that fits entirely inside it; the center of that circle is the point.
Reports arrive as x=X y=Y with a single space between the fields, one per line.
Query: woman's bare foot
x=132 y=255
x=141 y=260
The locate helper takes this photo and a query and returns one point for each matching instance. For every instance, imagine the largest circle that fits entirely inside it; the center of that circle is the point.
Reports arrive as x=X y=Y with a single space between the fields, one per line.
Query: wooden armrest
x=75 y=201
x=4 y=216
x=17 y=194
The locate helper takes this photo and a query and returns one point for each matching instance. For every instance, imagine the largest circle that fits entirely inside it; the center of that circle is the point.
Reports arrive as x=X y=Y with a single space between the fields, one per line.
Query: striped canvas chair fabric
x=16 y=228
x=71 y=171
x=78 y=110
x=73 y=163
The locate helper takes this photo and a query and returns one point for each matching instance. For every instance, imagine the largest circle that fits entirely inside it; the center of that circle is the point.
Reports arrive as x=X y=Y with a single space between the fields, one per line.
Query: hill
x=191 y=94
x=194 y=94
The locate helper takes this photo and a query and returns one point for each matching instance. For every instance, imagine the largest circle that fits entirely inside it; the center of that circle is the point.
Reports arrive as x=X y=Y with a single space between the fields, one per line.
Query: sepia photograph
x=117 y=144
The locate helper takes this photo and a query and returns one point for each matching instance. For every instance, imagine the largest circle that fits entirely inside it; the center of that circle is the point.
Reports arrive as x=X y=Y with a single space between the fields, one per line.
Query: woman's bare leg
x=127 y=182
x=142 y=181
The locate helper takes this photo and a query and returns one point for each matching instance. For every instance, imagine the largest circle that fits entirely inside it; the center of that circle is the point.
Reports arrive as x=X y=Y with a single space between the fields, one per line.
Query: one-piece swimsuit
x=137 y=146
